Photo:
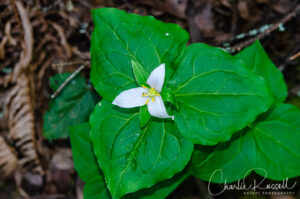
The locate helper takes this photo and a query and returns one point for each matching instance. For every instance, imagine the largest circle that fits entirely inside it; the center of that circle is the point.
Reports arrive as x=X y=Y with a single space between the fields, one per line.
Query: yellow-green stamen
x=151 y=94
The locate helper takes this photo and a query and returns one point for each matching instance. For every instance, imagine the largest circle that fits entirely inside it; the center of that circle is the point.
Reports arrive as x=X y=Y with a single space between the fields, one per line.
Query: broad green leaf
x=269 y=147
x=73 y=105
x=120 y=38
x=96 y=189
x=277 y=141
x=162 y=189
x=226 y=162
x=133 y=158
x=259 y=62
x=84 y=160
x=57 y=80
x=217 y=95
x=86 y=163
x=87 y=168
x=139 y=73
x=144 y=116
x=168 y=96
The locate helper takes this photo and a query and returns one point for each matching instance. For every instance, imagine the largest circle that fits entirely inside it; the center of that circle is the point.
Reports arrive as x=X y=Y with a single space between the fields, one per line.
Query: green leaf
x=217 y=95
x=228 y=161
x=269 y=147
x=120 y=38
x=168 y=95
x=259 y=62
x=162 y=189
x=144 y=116
x=82 y=150
x=96 y=189
x=133 y=158
x=139 y=73
x=86 y=163
x=57 y=80
x=88 y=170
x=277 y=142
x=73 y=105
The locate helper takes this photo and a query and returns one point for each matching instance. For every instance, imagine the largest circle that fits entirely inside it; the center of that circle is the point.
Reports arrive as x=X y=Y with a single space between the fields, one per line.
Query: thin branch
x=294 y=56
x=71 y=63
x=67 y=81
x=285 y=19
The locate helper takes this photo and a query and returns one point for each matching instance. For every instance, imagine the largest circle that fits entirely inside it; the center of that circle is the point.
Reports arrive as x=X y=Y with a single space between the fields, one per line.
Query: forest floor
x=40 y=38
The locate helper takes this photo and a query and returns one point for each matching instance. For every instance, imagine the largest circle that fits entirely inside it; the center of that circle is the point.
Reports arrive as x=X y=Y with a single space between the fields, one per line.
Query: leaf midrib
x=130 y=158
x=204 y=74
x=277 y=141
x=126 y=46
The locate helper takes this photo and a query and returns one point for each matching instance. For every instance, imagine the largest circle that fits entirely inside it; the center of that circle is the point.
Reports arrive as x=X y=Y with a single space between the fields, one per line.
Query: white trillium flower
x=141 y=96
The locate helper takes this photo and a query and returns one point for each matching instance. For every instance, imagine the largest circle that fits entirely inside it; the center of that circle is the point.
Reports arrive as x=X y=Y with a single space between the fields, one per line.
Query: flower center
x=151 y=93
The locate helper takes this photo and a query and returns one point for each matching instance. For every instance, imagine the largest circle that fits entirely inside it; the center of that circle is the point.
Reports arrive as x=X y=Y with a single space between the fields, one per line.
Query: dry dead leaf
x=244 y=9
x=21 y=124
x=26 y=54
x=8 y=159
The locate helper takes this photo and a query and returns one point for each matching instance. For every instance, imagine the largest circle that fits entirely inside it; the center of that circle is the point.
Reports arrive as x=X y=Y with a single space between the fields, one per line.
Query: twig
x=55 y=3
x=67 y=81
x=285 y=19
x=250 y=33
x=71 y=63
x=294 y=56
x=63 y=39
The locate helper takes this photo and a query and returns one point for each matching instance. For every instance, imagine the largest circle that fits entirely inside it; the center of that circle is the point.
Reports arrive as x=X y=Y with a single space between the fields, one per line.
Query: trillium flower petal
x=157 y=78
x=158 y=109
x=131 y=98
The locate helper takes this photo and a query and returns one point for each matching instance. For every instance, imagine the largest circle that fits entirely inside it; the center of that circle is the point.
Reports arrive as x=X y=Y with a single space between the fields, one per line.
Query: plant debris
x=40 y=38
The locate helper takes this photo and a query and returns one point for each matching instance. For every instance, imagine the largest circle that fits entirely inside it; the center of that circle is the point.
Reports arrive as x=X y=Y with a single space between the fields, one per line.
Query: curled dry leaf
x=21 y=124
x=8 y=159
x=26 y=55
x=63 y=39
x=2 y=45
x=31 y=39
x=11 y=40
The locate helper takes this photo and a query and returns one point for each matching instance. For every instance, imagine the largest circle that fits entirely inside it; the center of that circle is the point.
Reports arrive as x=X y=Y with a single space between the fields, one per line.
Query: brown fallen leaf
x=244 y=9
x=20 y=121
x=8 y=159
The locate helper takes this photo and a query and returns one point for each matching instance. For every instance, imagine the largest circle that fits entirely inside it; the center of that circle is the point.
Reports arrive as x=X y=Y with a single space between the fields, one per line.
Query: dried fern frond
x=8 y=159
x=21 y=124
